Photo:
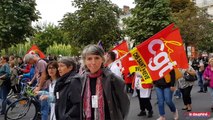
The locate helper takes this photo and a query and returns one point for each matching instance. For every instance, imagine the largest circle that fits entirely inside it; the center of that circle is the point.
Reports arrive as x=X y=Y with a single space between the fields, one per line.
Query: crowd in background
x=93 y=87
x=65 y=88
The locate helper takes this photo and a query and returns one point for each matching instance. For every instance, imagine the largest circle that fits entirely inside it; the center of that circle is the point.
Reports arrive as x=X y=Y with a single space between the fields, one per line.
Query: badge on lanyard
x=57 y=95
x=94 y=101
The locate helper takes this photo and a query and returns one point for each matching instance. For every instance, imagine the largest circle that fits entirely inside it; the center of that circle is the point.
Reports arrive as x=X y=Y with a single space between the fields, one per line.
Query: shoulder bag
x=190 y=78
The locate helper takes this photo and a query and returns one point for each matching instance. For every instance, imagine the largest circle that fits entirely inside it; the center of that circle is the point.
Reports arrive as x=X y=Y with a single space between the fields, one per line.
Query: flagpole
x=122 y=57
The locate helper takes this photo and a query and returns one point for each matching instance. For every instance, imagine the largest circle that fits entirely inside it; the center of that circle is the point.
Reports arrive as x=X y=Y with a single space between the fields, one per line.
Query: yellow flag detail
x=170 y=50
x=142 y=66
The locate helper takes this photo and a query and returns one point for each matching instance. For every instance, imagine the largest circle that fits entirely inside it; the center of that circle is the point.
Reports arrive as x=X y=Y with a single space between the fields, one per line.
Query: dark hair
x=12 y=57
x=112 y=55
x=20 y=58
x=5 y=57
x=55 y=65
x=12 y=64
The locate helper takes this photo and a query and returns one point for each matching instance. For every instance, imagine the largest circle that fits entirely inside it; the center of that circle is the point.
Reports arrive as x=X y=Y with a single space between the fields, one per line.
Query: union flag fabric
x=121 y=49
x=160 y=54
x=35 y=50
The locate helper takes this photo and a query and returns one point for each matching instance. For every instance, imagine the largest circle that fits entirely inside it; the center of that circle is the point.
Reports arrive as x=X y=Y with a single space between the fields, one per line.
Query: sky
x=53 y=10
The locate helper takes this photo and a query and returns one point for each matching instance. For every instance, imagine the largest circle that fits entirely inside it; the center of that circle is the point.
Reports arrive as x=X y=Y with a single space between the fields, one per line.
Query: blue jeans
x=164 y=94
x=45 y=108
x=177 y=93
x=211 y=93
x=5 y=89
x=200 y=82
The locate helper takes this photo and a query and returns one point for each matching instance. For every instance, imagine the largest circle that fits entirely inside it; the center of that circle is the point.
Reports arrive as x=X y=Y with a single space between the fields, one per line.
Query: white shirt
x=115 y=69
x=144 y=93
x=52 y=105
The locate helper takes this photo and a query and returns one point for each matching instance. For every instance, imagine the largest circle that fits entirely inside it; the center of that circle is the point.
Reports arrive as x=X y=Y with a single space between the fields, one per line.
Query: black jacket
x=161 y=83
x=115 y=94
x=68 y=95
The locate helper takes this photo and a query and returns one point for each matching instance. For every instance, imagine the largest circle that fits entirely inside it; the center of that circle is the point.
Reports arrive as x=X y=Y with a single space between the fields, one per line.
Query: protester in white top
x=143 y=96
x=112 y=64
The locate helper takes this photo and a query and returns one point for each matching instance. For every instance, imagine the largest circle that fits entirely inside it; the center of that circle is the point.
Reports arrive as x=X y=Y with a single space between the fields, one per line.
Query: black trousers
x=186 y=92
x=144 y=103
x=129 y=88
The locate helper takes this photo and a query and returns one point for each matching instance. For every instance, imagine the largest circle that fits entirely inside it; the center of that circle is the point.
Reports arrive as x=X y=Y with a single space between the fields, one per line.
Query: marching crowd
x=96 y=89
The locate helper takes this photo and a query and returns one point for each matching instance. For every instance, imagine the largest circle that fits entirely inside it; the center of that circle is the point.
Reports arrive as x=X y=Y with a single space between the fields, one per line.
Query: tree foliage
x=62 y=49
x=48 y=35
x=149 y=17
x=178 y=5
x=17 y=50
x=194 y=24
x=16 y=17
x=206 y=43
x=94 y=20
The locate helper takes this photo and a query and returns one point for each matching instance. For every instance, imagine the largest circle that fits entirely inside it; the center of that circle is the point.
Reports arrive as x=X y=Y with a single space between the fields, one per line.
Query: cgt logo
x=161 y=60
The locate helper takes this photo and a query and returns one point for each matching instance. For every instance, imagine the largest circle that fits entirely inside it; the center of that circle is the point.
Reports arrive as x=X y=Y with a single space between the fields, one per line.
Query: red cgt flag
x=35 y=50
x=127 y=61
x=121 y=49
x=160 y=54
x=124 y=59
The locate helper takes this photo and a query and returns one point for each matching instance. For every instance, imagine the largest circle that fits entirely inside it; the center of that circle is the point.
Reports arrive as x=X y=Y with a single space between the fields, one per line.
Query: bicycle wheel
x=22 y=108
x=13 y=97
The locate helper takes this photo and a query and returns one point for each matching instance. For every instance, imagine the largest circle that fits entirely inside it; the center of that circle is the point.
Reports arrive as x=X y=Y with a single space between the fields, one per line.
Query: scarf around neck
x=87 y=97
x=62 y=80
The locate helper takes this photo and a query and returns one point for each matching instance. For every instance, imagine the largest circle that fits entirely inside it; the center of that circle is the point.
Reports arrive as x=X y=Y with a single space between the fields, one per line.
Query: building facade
x=205 y=4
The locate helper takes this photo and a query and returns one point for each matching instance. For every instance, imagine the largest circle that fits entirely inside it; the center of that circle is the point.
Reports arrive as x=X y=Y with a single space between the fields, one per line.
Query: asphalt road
x=201 y=103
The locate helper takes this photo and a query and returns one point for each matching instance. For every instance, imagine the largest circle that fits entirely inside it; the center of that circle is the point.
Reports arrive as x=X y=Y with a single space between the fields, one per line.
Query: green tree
x=93 y=21
x=205 y=44
x=48 y=35
x=17 y=50
x=16 y=17
x=178 y=5
x=148 y=18
x=194 y=24
x=62 y=49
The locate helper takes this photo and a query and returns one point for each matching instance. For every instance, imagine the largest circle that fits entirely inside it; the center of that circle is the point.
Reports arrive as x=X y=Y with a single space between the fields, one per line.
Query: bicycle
x=21 y=107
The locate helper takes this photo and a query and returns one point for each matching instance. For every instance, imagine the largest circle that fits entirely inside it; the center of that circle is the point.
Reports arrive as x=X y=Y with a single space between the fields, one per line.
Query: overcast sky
x=53 y=10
